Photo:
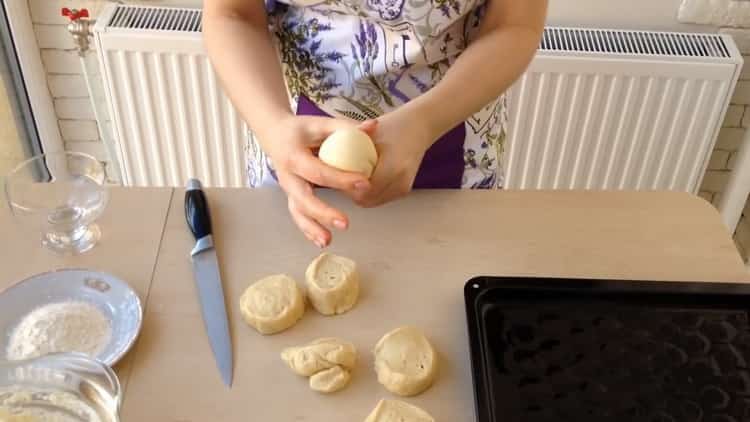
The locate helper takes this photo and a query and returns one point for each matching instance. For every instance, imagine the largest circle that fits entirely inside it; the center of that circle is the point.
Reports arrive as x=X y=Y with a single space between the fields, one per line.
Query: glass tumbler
x=60 y=195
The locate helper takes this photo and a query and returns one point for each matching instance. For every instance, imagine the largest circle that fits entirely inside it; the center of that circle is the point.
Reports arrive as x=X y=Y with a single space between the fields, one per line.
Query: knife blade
x=208 y=279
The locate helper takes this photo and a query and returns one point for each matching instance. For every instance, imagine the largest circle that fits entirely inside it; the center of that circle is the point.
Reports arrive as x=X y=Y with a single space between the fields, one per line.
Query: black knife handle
x=196 y=210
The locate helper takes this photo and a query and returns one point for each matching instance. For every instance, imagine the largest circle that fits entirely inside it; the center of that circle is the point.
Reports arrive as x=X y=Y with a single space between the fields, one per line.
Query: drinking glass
x=61 y=195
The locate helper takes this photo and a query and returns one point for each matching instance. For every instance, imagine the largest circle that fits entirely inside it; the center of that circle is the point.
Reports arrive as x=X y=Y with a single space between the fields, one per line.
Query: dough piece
x=349 y=150
x=332 y=284
x=330 y=380
x=272 y=304
x=398 y=411
x=405 y=361
x=319 y=355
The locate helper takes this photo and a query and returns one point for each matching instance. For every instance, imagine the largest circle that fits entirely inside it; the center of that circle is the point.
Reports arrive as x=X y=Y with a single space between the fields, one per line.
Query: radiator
x=171 y=120
x=597 y=109
x=605 y=109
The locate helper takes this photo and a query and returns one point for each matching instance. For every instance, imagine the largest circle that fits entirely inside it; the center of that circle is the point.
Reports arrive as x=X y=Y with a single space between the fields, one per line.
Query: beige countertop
x=132 y=227
x=415 y=256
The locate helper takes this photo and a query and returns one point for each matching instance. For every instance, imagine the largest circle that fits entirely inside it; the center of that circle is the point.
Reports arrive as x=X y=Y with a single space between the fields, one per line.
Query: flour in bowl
x=60 y=327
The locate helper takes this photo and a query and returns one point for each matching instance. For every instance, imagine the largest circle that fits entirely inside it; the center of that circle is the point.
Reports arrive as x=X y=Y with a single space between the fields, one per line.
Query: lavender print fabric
x=361 y=59
x=387 y=9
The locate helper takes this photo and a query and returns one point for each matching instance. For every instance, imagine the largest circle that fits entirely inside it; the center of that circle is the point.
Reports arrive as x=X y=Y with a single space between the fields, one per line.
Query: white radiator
x=596 y=110
x=605 y=109
x=170 y=119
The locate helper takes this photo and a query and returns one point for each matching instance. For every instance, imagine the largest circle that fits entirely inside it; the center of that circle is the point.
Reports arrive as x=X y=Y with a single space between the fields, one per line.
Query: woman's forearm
x=507 y=42
x=239 y=44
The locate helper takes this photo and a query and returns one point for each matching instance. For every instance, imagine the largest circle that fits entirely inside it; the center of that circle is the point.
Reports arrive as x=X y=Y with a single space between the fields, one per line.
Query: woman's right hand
x=291 y=149
x=254 y=71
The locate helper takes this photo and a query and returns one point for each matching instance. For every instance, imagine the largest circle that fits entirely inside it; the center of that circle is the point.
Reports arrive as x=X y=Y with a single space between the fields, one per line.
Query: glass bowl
x=60 y=195
x=66 y=387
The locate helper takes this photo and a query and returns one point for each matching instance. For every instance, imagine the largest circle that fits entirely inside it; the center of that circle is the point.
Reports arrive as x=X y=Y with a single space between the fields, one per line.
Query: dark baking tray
x=595 y=350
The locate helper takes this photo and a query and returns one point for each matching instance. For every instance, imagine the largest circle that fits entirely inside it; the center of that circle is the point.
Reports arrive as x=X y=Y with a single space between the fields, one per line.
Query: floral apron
x=361 y=59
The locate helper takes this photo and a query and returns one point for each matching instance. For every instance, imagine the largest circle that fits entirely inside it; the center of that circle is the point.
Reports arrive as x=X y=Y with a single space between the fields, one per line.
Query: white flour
x=60 y=327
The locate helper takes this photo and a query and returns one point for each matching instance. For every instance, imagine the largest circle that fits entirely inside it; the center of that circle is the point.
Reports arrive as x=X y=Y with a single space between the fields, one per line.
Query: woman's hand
x=401 y=141
x=291 y=149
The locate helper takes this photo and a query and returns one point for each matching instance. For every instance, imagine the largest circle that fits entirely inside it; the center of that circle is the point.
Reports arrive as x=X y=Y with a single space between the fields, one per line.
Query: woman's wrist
x=429 y=115
x=270 y=127
x=415 y=129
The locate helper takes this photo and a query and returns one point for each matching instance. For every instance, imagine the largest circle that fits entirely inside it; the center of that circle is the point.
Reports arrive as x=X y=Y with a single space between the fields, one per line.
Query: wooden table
x=132 y=227
x=414 y=255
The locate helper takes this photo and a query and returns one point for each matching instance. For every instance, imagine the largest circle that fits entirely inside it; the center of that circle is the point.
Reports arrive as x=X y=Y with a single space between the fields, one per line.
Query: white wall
x=625 y=14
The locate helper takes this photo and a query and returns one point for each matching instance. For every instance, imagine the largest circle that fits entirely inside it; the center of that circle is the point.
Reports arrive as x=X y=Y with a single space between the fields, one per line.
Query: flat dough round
x=330 y=380
x=349 y=150
x=332 y=284
x=405 y=361
x=319 y=355
x=272 y=304
x=398 y=411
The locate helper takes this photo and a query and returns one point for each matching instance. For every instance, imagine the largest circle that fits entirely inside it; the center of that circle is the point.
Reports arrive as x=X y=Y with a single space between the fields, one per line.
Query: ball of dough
x=272 y=304
x=332 y=284
x=330 y=380
x=405 y=361
x=319 y=355
x=350 y=150
x=398 y=411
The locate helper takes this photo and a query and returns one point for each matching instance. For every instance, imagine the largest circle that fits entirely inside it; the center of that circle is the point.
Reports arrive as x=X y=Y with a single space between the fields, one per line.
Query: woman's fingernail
x=320 y=243
x=339 y=224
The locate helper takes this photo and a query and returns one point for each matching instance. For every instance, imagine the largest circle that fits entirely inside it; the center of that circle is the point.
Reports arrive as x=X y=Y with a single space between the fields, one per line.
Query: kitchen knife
x=208 y=279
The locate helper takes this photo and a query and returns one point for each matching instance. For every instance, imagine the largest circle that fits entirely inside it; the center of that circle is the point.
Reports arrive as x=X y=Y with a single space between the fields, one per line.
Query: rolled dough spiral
x=405 y=361
x=398 y=411
x=272 y=304
x=332 y=284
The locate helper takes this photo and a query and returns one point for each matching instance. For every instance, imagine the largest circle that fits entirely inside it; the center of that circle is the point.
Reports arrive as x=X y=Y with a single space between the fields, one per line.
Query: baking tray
x=594 y=350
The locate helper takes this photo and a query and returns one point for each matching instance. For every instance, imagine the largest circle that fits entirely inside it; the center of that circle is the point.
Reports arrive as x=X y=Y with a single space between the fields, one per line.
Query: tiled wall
x=67 y=85
x=733 y=18
x=731 y=137
x=79 y=128
x=735 y=127
x=65 y=75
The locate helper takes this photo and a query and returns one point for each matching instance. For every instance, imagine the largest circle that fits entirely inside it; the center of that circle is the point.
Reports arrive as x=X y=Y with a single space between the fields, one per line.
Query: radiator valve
x=80 y=27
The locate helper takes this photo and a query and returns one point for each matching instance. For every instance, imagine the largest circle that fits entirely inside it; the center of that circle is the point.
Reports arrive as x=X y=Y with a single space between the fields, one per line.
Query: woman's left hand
x=401 y=141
